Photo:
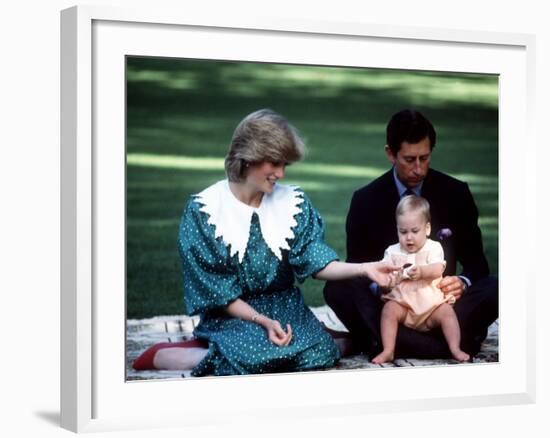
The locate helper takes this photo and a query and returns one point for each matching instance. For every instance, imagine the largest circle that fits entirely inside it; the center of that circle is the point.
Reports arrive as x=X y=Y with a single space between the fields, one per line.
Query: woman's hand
x=275 y=332
x=385 y=274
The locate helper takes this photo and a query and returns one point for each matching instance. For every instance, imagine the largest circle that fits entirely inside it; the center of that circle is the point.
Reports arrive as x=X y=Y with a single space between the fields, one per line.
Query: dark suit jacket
x=371 y=225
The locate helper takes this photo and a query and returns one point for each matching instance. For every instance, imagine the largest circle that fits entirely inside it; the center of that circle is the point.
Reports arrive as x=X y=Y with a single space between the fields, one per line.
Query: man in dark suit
x=371 y=228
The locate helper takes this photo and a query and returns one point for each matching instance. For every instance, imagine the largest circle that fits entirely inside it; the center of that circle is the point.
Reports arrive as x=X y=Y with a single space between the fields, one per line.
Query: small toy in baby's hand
x=406 y=268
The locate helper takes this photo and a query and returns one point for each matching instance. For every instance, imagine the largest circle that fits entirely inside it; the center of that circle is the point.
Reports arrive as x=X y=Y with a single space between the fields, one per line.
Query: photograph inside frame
x=288 y=218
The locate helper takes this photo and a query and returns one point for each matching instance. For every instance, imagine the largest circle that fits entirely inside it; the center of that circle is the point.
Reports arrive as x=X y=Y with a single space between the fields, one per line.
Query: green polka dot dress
x=262 y=273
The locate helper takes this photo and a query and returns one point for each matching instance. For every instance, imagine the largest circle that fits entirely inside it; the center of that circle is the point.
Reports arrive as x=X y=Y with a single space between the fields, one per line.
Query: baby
x=415 y=300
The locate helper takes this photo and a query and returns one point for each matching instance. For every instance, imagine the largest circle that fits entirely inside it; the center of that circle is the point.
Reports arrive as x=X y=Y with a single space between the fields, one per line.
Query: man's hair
x=411 y=126
x=262 y=136
x=413 y=203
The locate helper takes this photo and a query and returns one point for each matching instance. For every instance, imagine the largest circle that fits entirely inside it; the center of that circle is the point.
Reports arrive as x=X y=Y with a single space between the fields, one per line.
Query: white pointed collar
x=231 y=218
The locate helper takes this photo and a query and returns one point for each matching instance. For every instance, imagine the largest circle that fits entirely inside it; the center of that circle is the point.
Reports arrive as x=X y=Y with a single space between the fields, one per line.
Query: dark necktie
x=408 y=192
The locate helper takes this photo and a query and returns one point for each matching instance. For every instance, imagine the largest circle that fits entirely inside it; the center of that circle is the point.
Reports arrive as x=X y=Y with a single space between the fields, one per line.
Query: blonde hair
x=262 y=136
x=413 y=203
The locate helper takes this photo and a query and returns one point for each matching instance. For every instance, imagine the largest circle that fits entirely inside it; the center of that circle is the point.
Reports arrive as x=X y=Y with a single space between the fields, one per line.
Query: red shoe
x=145 y=359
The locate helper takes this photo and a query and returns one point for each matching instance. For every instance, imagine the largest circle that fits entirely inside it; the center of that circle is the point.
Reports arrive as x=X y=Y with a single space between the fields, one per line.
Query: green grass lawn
x=181 y=115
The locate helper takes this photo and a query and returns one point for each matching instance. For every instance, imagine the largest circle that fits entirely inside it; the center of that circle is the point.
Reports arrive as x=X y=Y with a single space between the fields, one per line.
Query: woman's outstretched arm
x=379 y=272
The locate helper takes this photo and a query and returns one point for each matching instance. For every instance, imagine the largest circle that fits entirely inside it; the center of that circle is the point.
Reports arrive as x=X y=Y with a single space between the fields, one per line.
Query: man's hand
x=452 y=285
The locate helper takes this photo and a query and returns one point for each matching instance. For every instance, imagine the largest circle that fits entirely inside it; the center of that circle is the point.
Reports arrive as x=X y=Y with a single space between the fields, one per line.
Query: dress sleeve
x=387 y=255
x=436 y=254
x=308 y=251
x=210 y=280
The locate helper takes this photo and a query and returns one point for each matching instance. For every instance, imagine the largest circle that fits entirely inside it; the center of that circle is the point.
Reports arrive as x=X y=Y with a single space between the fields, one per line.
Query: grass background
x=181 y=115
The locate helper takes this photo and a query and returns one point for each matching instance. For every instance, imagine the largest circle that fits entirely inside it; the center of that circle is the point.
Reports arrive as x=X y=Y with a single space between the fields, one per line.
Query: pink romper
x=420 y=297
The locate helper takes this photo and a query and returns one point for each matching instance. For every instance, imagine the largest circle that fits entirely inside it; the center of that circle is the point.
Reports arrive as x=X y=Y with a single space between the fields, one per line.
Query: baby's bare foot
x=460 y=355
x=385 y=356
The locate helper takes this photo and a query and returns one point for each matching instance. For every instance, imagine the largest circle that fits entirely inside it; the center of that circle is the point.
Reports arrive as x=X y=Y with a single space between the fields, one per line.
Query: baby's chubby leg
x=393 y=314
x=445 y=317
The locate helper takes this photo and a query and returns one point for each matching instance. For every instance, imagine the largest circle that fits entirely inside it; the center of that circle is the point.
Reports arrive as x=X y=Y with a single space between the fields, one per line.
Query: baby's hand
x=413 y=272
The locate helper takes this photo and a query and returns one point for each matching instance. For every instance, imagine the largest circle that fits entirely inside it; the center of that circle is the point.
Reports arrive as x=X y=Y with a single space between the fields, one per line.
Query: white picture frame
x=94 y=41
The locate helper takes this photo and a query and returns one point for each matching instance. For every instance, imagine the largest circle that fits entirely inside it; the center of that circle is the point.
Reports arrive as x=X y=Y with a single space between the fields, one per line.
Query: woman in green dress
x=244 y=241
